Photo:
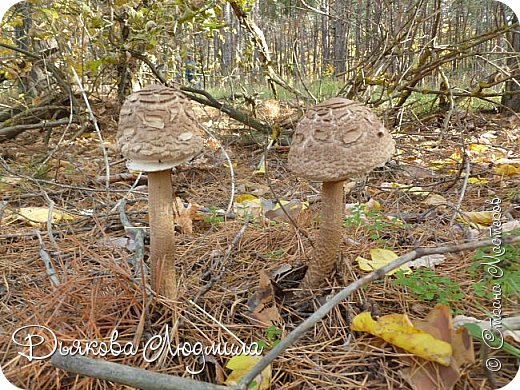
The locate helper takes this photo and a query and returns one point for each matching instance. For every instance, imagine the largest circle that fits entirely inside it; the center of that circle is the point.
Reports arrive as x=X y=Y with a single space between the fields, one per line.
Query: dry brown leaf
x=432 y=376
x=293 y=208
x=184 y=215
x=262 y=304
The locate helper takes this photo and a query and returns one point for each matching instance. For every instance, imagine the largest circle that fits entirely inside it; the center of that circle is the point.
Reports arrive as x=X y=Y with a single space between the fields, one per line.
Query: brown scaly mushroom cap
x=157 y=129
x=339 y=139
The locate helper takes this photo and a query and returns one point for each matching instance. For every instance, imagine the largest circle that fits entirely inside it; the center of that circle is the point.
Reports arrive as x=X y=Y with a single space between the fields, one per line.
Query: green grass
x=427 y=285
x=272 y=338
x=484 y=281
x=375 y=225
x=214 y=219
x=419 y=103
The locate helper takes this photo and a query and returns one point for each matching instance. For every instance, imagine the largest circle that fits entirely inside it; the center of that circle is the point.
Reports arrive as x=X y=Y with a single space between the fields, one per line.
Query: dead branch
x=220 y=268
x=96 y=127
x=59 y=76
x=13 y=131
x=232 y=112
x=347 y=291
x=137 y=235
x=258 y=39
x=135 y=377
x=44 y=255
x=209 y=99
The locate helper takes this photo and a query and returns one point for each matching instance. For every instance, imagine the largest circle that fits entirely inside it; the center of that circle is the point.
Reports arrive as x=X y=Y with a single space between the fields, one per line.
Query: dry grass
x=99 y=292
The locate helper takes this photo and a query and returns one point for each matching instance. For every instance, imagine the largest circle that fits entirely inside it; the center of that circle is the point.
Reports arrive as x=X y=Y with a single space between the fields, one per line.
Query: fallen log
x=12 y=131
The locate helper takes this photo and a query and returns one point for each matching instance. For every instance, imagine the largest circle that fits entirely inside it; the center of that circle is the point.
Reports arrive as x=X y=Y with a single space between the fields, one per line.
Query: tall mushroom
x=336 y=139
x=158 y=131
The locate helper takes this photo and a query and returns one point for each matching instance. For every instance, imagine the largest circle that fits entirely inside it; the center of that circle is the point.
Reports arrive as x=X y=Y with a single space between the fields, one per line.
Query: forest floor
x=98 y=290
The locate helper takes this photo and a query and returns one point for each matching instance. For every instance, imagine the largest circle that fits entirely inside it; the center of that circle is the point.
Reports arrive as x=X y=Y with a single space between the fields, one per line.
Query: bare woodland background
x=443 y=75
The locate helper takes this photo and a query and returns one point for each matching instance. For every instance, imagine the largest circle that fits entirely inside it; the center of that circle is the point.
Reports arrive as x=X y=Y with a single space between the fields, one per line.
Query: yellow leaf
x=372 y=204
x=479 y=217
x=416 y=191
x=478 y=148
x=399 y=331
x=392 y=185
x=38 y=215
x=456 y=156
x=245 y=197
x=261 y=169
x=241 y=365
x=247 y=204
x=506 y=170
x=476 y=180
x=293 y=208
x=380 y=258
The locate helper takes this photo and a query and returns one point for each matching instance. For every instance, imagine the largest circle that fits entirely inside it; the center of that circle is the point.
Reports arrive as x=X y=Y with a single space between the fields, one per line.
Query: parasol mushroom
x=158 y=131
x=336 y=139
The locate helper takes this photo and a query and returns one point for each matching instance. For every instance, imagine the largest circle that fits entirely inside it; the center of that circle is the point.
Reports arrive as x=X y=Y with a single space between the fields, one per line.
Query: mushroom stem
x=324 y=257
x=162 y=232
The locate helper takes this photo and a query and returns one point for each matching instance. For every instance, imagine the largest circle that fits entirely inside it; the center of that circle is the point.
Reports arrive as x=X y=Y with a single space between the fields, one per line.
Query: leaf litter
x=99 y=291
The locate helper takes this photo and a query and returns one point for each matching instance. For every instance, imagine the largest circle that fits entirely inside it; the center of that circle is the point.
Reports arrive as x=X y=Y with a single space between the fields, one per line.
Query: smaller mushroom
x=157 y=131
x=336 y=139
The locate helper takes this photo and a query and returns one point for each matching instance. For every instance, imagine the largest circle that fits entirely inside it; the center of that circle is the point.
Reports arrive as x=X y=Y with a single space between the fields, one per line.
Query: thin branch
x=316 y=10
x=44 y=255
x=137 y=234
x=216 y=321
x=230 y=111
x=130 y=376
x=231 y=169
x=467 y=167
x=96 y=127
x=58 y=144
x=347 y=291
x=13 y=131
x=49 y=220
x=58 y=74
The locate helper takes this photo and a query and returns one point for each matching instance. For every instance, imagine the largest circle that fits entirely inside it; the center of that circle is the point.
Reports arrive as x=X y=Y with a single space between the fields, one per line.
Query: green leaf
x=476 y=332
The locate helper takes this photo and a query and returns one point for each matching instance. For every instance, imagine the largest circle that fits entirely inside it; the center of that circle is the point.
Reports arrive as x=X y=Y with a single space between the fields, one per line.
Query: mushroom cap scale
x=339 y=139
x=157 y=129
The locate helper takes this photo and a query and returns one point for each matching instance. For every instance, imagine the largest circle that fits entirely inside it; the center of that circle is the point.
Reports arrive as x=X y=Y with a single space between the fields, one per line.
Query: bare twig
x=463 y=189
x=216 y=321
x=58 y=144
x=135 y=377
x=240 y=116
x=231 y=170
x=96 y=127
x=316 y=10
x=298 y=71
x=49 y=220
x=53 y=183
x=452 y=103
x=13 y=131
x=220 y=269
x=347 y=291
x=137 y=235
x=44 y=255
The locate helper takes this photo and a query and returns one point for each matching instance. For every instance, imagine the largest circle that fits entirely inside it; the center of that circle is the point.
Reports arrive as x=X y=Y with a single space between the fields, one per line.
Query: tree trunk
x=227 y=47
x=512 y=101
x=340 y=44
x=325 y=44
x=21 y=37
